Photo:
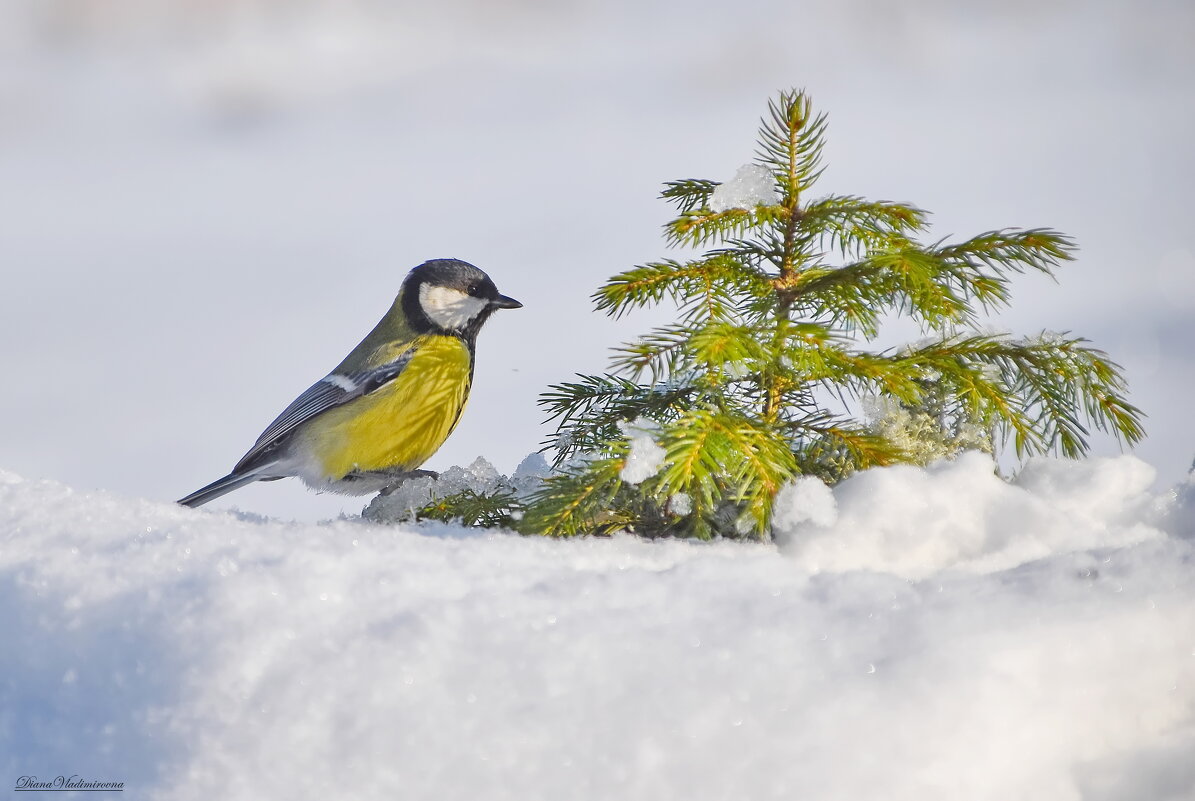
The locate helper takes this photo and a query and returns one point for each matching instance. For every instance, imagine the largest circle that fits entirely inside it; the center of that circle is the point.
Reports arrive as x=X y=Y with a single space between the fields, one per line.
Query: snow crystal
x=646 y=456
x=530 y=474
x=563 y=441
x=682 y=379
x=480 y=477
x=920 y=434
x=751 y=186
x=680 y=504
x=400 y=502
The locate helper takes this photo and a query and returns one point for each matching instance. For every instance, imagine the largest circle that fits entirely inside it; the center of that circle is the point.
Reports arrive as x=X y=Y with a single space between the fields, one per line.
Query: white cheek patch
x=449 y=308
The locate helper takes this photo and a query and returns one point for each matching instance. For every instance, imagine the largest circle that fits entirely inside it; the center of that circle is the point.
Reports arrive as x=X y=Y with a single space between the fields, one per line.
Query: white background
x=204 y=205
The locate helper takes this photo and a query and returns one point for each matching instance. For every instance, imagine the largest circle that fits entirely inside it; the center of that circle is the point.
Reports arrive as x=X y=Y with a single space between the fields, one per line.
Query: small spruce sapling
x=779 y=315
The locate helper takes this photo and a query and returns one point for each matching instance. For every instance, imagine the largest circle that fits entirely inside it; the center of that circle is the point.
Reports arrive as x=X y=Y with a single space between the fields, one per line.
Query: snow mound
x=959 y=515
x=751 y=186
x=200 y=655
x=1180 y=508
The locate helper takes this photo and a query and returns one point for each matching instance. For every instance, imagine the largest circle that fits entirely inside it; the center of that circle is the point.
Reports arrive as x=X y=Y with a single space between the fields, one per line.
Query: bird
x=392 y=402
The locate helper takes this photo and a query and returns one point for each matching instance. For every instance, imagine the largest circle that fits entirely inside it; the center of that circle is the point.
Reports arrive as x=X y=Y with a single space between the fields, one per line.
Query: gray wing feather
x=327 y=393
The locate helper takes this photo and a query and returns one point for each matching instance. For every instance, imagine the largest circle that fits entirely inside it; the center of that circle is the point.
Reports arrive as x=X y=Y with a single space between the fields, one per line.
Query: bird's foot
x=397 y=478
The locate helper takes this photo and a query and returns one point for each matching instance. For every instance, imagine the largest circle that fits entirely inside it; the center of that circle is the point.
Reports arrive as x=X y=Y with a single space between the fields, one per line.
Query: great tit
x=391 y=403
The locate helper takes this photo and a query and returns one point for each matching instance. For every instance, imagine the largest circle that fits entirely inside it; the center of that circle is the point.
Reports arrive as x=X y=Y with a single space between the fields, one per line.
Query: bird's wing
x=335 y=389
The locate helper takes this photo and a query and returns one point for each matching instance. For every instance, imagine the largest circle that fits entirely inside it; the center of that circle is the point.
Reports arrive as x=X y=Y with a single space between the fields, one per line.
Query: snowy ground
x=917 y=634
x=205 y=204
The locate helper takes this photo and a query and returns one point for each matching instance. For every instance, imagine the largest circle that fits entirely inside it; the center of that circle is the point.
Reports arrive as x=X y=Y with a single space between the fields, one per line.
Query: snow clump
x=751 y=186
x=646 y=455
x=804 y=500
x=399 y=503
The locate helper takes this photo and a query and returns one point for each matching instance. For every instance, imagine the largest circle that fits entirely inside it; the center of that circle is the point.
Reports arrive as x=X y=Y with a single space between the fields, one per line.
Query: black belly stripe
x=460 y=409
x=469 y=337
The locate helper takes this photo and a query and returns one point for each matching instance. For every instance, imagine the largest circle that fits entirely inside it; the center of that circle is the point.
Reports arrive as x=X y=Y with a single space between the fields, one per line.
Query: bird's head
x=452 y=296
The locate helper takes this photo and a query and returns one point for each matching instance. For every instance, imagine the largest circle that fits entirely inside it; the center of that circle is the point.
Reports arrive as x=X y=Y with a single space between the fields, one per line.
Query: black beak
x=503 y=302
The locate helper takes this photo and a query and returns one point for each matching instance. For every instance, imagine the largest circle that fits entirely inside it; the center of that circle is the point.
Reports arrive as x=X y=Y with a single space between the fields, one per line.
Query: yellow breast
x=399 y=426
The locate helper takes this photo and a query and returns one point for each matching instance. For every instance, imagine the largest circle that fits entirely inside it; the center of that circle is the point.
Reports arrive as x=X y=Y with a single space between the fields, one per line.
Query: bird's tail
x=219 y=487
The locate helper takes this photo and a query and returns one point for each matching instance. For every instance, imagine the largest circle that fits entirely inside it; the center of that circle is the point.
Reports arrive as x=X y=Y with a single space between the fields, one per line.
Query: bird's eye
x=474 y=289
